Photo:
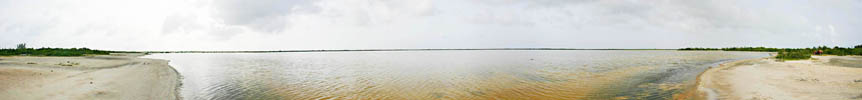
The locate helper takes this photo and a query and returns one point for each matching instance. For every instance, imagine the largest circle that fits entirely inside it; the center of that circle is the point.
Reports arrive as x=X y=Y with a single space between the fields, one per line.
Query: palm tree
x=22 y=46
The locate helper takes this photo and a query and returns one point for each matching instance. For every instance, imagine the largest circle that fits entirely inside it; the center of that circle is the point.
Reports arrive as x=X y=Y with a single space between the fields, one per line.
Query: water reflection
x=485 y=74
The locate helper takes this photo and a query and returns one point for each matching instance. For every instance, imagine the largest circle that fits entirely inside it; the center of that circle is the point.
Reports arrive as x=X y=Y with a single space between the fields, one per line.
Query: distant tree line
x=794 y=53
x=22 y=50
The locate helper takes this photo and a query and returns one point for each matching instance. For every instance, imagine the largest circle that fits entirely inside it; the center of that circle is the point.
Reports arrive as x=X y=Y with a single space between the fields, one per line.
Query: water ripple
x=582 y=74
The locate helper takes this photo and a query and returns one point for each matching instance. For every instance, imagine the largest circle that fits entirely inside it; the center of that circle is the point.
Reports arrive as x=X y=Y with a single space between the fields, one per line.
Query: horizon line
x=347 y=50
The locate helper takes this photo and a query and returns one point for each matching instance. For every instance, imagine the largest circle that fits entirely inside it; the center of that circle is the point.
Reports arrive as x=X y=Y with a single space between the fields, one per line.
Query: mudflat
x=110 y=77
x=823 y=78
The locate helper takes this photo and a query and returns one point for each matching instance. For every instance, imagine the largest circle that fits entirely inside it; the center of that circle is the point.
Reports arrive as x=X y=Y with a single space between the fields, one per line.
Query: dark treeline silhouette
x=22 y=50
x=794 y=53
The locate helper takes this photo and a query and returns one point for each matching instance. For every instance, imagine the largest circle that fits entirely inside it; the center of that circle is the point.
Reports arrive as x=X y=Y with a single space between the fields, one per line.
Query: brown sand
x=768 y=79
x=108 y=77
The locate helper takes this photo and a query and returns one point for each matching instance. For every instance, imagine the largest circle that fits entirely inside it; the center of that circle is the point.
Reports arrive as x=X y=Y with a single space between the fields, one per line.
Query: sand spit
x=108 y=77
x=768 y=79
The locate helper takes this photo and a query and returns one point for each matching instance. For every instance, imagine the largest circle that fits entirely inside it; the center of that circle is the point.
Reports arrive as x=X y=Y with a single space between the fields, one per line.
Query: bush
x=793 y=55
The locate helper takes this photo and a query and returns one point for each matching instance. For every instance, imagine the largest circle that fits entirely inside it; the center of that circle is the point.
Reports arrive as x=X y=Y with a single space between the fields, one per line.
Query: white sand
x=115 y=77
x=768 y=79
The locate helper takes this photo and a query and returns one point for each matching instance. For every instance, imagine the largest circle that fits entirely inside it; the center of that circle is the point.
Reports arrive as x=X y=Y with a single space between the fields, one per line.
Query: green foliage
x=22 y=46
x=761 y=49
x=52 y=52
x=757 y=49
x=793 y=53
x=699 y=49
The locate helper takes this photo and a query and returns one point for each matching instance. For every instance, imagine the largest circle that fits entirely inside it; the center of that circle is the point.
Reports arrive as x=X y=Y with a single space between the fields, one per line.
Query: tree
x=858 y=46
x=22 y=46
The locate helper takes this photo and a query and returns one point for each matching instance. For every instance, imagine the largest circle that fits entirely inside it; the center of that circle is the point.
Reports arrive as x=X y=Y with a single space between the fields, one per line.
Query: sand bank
x=107 y=77
x=767 y=79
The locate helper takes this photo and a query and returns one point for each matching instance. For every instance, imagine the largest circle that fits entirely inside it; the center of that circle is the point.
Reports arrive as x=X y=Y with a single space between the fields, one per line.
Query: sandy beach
x=823 y=78
x=103 y=77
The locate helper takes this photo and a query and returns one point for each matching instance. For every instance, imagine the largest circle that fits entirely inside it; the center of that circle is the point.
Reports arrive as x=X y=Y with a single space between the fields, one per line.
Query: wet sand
x=104 y=77
x=767 y=79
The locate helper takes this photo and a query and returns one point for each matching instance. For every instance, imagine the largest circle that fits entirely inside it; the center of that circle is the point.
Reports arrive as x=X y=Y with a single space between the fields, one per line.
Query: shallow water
x=470 y=74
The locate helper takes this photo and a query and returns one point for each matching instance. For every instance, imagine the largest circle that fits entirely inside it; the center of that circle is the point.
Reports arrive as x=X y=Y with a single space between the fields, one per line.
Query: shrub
x=793 y=55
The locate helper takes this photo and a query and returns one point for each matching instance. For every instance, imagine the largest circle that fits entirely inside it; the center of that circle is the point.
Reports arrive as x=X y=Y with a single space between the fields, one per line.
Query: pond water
x=451 y=74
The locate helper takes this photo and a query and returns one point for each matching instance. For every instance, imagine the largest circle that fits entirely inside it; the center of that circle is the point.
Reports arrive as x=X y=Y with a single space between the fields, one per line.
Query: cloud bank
x=375 y=24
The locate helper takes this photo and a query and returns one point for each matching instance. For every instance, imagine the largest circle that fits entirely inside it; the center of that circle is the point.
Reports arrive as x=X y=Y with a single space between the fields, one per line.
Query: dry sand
x=106 y=77
x=768 y=79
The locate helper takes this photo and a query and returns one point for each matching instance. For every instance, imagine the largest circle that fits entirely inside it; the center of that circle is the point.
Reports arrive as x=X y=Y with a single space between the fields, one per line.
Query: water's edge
x=179 y=78
x=691 y=91
x=700 y=92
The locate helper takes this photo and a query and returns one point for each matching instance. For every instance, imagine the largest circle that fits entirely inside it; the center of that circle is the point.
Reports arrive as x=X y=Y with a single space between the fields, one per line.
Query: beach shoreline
x=770 y=79
x=117 y=76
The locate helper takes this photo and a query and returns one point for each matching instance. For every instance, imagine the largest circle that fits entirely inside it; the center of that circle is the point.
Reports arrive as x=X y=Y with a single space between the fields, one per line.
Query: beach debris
x=68 y=63
x=761 y=97
x=857 y=80
x=812 y=79
x=31 y=63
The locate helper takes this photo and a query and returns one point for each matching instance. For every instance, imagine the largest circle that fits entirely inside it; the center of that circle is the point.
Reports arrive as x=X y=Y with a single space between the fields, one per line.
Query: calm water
x=477 y=74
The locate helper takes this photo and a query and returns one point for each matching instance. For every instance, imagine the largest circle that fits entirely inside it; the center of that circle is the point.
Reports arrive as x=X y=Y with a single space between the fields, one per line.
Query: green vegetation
x=23 y=50
x=794 y=53
x=700 y=49
x=22 y=46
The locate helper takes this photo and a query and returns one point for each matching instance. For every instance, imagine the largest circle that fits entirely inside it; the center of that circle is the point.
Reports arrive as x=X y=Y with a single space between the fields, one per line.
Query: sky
x=155 y=25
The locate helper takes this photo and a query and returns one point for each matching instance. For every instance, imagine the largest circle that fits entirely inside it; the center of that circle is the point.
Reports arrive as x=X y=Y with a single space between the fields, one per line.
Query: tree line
x=794 y=53
x=22 y=50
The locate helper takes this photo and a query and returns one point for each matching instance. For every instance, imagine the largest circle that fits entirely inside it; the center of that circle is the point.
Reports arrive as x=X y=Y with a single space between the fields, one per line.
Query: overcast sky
x=375 y=24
